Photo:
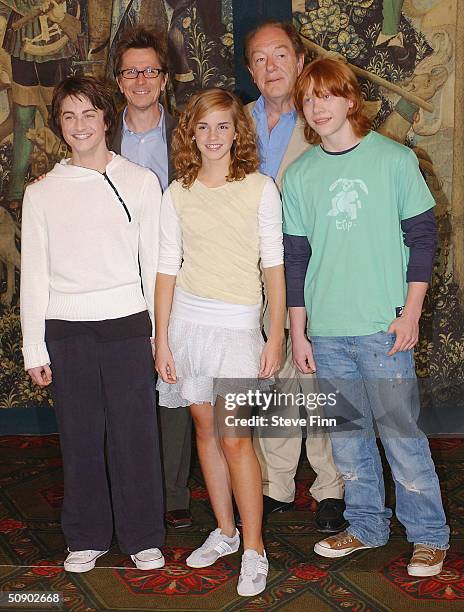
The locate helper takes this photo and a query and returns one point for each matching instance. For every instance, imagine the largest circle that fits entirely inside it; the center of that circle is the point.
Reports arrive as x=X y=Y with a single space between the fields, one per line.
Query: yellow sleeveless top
x=220 y=239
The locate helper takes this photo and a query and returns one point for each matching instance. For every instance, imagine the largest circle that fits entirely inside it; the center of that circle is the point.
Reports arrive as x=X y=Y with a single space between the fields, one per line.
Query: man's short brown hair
x=99 y=94
x=140 y=37
x=286 y=27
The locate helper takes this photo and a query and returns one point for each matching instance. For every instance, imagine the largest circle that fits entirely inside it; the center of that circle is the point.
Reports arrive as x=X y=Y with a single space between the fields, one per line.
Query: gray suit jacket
x=171 y=122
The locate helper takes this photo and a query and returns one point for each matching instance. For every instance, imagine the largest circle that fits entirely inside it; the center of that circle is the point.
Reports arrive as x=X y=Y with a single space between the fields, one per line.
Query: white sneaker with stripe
x=253 y=573
x=216 y=545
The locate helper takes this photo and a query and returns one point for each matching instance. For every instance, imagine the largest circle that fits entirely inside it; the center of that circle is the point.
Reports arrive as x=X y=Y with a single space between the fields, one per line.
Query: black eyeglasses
x=148 y=73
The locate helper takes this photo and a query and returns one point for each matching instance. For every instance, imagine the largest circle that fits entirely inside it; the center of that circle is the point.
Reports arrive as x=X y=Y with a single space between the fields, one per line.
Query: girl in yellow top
x=219 y=219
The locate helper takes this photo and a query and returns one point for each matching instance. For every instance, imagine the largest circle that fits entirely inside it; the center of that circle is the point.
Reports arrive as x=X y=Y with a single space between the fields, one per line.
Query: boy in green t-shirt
x=360 y=238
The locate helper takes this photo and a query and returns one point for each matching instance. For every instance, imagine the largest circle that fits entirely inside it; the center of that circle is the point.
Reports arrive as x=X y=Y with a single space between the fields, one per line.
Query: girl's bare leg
x=245 y=477
x=214 y=467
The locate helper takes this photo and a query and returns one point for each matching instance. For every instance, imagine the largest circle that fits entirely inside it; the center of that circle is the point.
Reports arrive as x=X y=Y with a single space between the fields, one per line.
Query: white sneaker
x=253 y=573
x=149 y=559
x=216 y=545
x=82 y=560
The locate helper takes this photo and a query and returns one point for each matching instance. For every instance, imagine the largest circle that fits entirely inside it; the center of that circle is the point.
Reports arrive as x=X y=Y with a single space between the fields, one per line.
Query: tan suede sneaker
x=426 y=561
x=339 y=545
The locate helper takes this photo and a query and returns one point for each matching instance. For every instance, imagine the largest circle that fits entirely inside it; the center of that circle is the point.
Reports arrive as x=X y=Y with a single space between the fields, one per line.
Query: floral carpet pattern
x=32 y=551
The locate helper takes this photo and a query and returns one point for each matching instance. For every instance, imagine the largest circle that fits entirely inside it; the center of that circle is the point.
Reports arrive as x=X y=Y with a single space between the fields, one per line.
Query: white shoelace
x=214 y=539
x=343 y=538
x=252 y=566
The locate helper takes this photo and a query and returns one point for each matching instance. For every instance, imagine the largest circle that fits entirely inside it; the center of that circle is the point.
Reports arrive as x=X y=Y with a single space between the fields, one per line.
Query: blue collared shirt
x=272 y=145
x=148 y=149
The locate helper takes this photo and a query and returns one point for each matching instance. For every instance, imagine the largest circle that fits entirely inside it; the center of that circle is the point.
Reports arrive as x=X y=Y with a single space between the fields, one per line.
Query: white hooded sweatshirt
x=84 y=235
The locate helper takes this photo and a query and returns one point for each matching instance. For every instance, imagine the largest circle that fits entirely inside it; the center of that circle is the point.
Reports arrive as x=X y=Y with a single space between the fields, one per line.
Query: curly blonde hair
x=185 y=154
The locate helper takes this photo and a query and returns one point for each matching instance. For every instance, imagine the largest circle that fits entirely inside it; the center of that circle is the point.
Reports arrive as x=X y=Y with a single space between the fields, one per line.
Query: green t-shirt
x=350 y=207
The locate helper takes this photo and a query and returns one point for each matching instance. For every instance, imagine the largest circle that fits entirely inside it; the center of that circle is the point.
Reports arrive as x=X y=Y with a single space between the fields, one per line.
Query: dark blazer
x=170 y=121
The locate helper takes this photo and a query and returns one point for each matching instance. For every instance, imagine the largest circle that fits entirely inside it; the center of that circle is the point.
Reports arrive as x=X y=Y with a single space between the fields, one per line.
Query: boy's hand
x=42 y=375
x=302 y=353
x=407 y=333
x=164 y=364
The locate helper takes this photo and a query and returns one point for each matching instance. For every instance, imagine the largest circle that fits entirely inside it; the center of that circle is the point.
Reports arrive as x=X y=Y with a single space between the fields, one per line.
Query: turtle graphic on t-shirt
x=347 y=200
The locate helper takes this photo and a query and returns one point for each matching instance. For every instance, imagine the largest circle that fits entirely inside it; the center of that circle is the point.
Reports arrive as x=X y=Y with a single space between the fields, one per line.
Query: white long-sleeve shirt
x=81 y=247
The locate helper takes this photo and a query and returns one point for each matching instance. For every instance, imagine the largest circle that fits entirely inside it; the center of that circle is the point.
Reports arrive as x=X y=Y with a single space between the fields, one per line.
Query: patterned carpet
x=32 y=551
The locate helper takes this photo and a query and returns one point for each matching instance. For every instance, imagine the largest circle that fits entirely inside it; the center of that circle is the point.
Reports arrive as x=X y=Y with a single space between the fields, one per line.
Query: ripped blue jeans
x=377 y=395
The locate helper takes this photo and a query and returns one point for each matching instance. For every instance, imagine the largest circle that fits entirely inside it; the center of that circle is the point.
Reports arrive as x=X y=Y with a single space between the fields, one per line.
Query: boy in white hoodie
x=88 y=266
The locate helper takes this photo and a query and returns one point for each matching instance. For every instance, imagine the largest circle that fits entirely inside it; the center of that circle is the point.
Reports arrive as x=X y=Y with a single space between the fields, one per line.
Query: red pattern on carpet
x=447 y=586
x=176 y=578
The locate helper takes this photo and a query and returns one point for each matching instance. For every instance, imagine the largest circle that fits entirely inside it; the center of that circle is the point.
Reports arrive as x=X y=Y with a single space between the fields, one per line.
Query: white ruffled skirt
x=216 y=347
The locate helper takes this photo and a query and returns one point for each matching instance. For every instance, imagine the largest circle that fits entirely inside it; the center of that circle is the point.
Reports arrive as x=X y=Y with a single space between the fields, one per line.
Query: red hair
x=328 y=75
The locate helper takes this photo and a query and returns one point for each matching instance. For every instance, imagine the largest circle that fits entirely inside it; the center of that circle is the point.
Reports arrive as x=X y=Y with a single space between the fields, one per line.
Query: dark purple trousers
x=104 y=398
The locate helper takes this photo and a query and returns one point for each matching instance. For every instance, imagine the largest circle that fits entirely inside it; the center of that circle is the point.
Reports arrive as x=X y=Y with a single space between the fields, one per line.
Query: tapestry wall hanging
x=408 y=55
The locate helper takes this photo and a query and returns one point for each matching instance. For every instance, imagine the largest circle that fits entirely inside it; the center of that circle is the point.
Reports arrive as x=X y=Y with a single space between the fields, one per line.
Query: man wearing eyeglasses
x=143 y=135
x=143 y=132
